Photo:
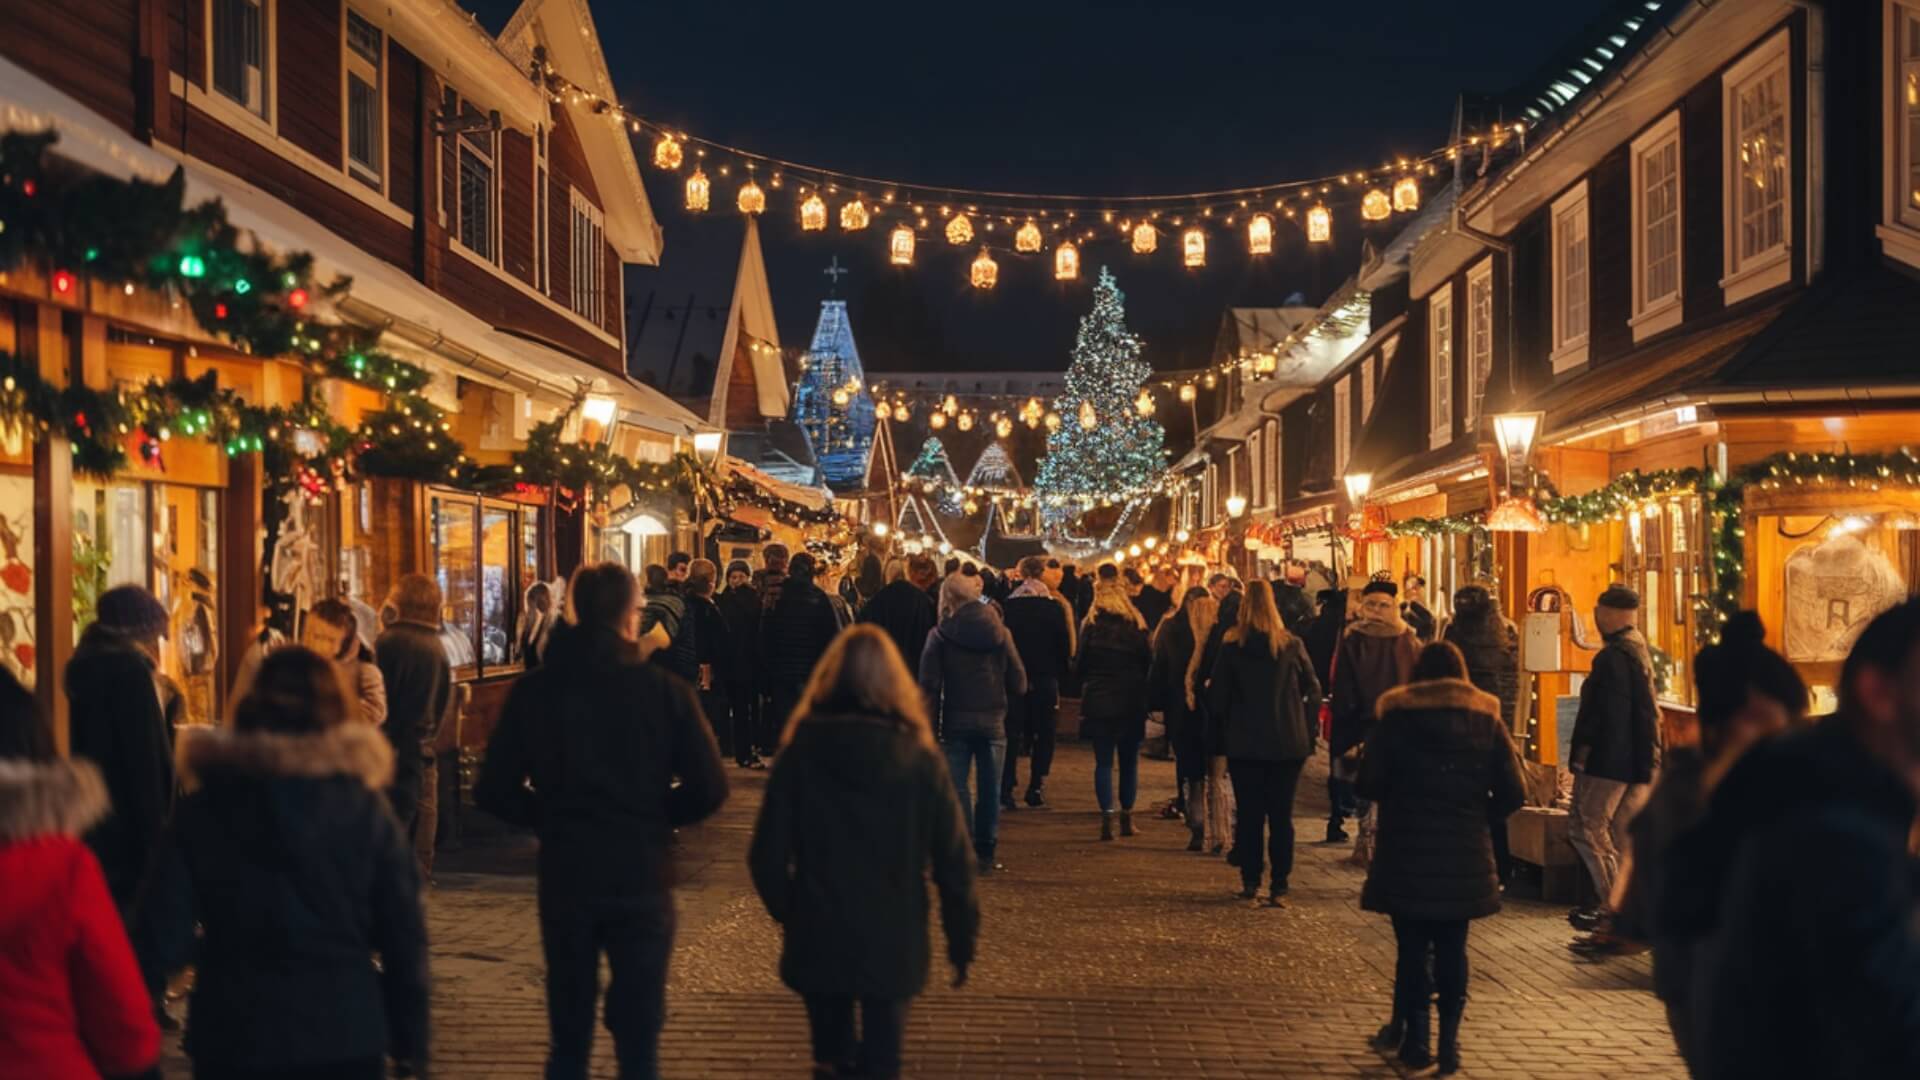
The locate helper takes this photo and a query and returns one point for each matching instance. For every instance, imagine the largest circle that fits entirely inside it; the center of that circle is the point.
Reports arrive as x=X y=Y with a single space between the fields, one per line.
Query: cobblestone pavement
x=1128 y=959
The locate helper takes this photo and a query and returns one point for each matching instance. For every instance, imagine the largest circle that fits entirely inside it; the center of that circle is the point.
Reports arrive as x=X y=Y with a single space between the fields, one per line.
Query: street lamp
x=1236 y=506
x=1514 y=432
x=1182 y=536
x=598 y=410
x=706 y=446
x=880 y=529
x=1358 y=485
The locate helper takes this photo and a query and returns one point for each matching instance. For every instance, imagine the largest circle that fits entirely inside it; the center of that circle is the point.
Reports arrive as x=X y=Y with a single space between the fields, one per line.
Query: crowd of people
x=281 y=853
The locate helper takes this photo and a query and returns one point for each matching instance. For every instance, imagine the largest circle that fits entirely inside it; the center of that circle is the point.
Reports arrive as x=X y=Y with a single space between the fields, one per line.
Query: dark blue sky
x=1046 y=95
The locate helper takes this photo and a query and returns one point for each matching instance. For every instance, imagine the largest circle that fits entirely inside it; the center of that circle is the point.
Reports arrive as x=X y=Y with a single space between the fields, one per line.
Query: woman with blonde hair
x=1113 y=663
x=1263 y=693
x=1177 y=647
x=859 y=806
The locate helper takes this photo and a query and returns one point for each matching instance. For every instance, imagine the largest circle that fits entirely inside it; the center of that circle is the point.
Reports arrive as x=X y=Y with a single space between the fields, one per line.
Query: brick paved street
x=1130 y=959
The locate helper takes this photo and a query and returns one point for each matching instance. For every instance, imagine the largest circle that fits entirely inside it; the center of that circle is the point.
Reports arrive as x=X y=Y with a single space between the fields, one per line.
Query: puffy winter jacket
x=1260 y=701
x=1042 y=630
x=72 y=1003
x=968 y=670
x=1439 y=762
x=794 y=632
x=904 y=612
x=116 y=722
x=1374 y=658
x=1491 y=645
x=1616 y=734
x=1113 y=665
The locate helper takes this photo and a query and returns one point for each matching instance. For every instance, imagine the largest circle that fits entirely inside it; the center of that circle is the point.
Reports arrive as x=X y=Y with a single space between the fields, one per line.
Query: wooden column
x=242 y=574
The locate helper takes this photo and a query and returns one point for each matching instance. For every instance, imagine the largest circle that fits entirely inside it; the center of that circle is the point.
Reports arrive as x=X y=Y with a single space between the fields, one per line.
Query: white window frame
x=1209 y=494
x=1479 y=365
x=266 y=111
x=1654 y=314
x=1749 y=275
x=1570 y=343
x=1272 y=438
x=1342 y=425
x=1440 y=367
x=485 y=147
x=352 y=66
x=586 y=248
x=1369 y=372
x=1899 y=230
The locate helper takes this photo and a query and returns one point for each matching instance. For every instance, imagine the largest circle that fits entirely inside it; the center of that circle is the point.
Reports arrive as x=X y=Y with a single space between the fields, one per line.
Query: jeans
x=1035 y=717
x=1602 y=810
x=636 y=933
x=1447 y=940
x=883 y=1028
x=1104 y=749
x=741 y=721
x=983 y=813
x=1263 y=790
x=367 y=1069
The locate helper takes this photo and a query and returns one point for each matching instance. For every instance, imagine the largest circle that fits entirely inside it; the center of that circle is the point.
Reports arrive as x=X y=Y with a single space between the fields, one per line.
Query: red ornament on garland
x=297 y=299
x=219 y=311
x=62 y=282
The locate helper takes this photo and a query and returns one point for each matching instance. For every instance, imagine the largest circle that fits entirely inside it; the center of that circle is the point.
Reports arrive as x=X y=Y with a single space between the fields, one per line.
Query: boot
x=1391 y=1034
x=1415 y=1053
x=1449 y=1055
x=1106 y=824
x=1196 y=817
x=1037 y=793
x=1126 y=823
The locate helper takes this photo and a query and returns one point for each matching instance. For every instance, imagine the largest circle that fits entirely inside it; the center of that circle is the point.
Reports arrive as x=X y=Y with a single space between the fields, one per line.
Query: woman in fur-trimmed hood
x=71 y=1000
x=285 y=851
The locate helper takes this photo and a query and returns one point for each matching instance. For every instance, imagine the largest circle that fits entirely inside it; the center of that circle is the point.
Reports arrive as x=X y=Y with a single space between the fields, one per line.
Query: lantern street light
x=1514 y=433
x=706 y=446
x=1236 y=506
x=1358 y=485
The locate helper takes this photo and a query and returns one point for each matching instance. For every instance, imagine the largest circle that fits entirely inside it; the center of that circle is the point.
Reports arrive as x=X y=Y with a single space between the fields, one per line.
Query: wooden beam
x=53 y=581
x=242 y=575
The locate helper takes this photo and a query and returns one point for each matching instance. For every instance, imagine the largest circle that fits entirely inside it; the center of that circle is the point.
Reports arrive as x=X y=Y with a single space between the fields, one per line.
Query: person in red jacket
x=72 y=1002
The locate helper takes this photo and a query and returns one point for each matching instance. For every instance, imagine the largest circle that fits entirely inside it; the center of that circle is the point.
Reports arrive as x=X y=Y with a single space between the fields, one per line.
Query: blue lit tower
x=830 y=400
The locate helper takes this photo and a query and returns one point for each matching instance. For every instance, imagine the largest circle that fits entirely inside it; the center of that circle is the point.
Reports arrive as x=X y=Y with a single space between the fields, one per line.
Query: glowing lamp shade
x=1134 y=550
x=699 y=190
x=854 y=216
x=752 y=200
x=598 y=409
x=1515 y=432
x=1260 y=235
x=1406 y=194
x=959 y=230
x=1182 y=536
x=951 y=405
x=901 y=413
x=1053 y=421
x=1088 y=418
x=880 y=529
x=1319 y=225
x=965 y=422
x=813 y=213
x=1028 y=239
x=1236 y=506
x=706 y=446
x=937 y=420
x=1193 y=247
x=667 y=153
x=1516 y=514
x=1066 y=262
x=1145 y=238
x=900 y=246
x=1358 y=485
x=985 y=273
x=1187 y=392
x=1375 y=205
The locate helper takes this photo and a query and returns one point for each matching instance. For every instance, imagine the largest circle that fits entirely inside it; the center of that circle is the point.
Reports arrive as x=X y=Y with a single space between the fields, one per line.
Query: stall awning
x=811 y=498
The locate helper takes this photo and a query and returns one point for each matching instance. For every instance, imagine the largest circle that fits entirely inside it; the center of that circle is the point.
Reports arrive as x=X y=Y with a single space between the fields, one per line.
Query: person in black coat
x=969 y=671
x=859 y=811
x=1490 y=645
x=1171 y=690
x=115 y=721
x=740 y=605
x=713 y=649
x=1155 y=598
x=1261 y=695
x=1113 y=663
x=901 y=607
x=413 y=664
x=1616 y=747
x=286 y=854
x=1322 y=633
x=1042 y=631
x=1440 y=764
x=588 y=751
x=793 y=634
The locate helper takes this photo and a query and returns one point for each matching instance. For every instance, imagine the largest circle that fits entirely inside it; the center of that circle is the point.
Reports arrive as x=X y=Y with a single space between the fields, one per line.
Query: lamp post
x=598 y=410
x=706 y=451
x=1515 y=433
x=1236 y=506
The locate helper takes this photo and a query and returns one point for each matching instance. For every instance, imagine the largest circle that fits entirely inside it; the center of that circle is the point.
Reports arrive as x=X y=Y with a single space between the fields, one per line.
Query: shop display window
x=1662 y=561
x=485 y=553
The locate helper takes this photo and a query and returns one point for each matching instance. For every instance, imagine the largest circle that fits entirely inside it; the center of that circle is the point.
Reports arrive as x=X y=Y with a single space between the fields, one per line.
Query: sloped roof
x=750 y=314
x=1847 y=329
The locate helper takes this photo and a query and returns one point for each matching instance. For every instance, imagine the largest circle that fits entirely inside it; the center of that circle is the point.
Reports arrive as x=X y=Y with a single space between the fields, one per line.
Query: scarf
x=1033 y=587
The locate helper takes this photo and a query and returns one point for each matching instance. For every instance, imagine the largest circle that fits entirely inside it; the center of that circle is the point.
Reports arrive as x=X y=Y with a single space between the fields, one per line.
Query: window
x=1759 y=168
x=1369 y=373
x=476 y=193
x=1479 y=336
x=1906 y=113
x=239 y=48
x=482 y=562
x=1275 y=491
x=589 y=259
x=365 y=53
x=1440 y=367
x=1656 y=228
x=1342 y=425
x=1570 y=279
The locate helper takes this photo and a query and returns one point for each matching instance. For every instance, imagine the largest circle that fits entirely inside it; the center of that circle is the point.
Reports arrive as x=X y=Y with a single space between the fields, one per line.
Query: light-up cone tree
x=933 y=464
x=1121 y=452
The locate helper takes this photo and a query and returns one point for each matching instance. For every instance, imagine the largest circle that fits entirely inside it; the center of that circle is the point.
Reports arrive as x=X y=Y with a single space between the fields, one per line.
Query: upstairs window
x=1906 y=114
x=1479 y=336
x=1570 y=314
x=1759 y=171
x=239 y=46
x=1656 y=228
x=1257 y=460
x=1440 y=367
x=589 y=259
x=476 y=193
x=365 y=56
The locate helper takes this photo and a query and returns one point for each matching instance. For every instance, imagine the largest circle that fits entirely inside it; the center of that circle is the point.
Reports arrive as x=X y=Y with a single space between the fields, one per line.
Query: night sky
x=1079 y=96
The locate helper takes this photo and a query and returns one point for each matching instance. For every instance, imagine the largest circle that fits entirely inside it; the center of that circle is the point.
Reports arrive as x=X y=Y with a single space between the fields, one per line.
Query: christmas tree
x=1104 y=448
x=932 y=465
x=831 y=403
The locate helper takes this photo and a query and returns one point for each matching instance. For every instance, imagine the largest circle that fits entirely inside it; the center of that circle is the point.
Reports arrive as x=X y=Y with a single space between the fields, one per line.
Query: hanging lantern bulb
x=840 y=395
x=1031 y=412
x=900 y=246
x=1027 y=239
x=1088 y=418
x=1187 y=392
x=938 y=419
x=667 y=153
x=1144 y=403
x=966 y=421
x=971 y=507
x=1053 y=420
x=1319 y=225
x=959 y=230
x=901 y=413
x=1066 y=261
x=1209 y=381
x=752 y=200
x=1003 y=427
x=951 y=405
x=854 y=216
x=1406 y=194
x=986 y=272
x=1375 y=205
x=1267 y=362
x=813 y=213
x=1194 y=244
x=1260 y=235
x=698 y=189
x=1145 y=238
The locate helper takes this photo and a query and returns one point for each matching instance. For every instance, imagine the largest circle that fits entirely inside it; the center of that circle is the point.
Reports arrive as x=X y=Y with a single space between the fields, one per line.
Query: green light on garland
x=193 y=266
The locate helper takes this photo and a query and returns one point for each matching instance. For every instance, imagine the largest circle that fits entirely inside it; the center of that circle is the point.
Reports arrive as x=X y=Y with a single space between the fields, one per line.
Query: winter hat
x=1384 y=588
x=739 y=566
x=133 y=611
x=1620 y=597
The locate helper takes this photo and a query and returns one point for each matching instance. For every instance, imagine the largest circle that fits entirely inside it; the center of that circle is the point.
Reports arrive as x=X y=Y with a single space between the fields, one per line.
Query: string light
x=699 y=189
x=1144 y=403
x=854 y=216
x=1319 y=225
x=937 y=421
x=1028 y=239
x=813 y=214
x=1194 y=245
x=1088 y=418
x=1052 y=421
x=1375 y=205
x=900 y=246
x=1003 y=427
x=1145 y=238
x=667 y=153
x=1187 y=392
x=959 y=230
x=1260 y=235
x=965 y=422
x=985 y=273
x=1066 y=261
x=752 y=200
x=1406 y=194
x=901 y=413
x=950 y=406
